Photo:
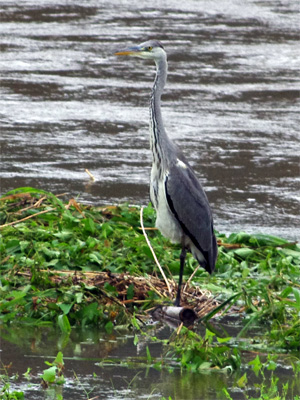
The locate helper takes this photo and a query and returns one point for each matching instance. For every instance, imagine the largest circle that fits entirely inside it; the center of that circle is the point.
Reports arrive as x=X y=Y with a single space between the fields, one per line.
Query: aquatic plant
x=70 y=264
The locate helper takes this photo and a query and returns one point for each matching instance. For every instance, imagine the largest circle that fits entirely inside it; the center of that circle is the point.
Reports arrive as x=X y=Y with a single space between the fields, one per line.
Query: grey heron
x=183 y=213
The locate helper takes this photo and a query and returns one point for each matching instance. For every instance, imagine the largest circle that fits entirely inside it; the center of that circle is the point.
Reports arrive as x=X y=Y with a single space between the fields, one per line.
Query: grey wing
x=188 y=202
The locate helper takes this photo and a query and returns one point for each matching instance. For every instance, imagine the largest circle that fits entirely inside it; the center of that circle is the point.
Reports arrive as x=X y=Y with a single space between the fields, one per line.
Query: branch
x=24 y=219
x=152 y=251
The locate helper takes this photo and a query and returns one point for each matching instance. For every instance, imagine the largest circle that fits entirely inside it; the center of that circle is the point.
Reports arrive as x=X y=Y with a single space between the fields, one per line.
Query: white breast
x=165 y=220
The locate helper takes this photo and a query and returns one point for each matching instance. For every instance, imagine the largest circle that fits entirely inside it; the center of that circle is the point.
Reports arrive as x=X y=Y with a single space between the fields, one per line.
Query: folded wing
x=188 y=202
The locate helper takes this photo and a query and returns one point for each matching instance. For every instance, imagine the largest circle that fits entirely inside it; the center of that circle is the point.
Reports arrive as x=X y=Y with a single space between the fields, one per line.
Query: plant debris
x=201 y=301
x=76 y=264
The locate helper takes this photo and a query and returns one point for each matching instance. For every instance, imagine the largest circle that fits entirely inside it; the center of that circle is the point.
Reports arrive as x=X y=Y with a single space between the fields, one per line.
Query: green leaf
x=89 y=312
x=95 y=257
x=245 y=269
x=209 y=335
x=130 y=292
x=64 y=234
x=241 y=237
x=89 y=225
x=52 y=263
x=272 y=365
x=136 y=339
x=256 y=365
x=242 y=382
x=267 y=240
x=79 y=297
x=59 y=359
x=106 y=230
x=295 y=255
x=49 y=374
x=63 y=323
x=13 y=246
x=24 y=244
x=135 y=323
x=149 y=358
x=286 y=292
x=224 y=340
x=296 y=294
x=65 y=308
x=186 y=357
x=109 y=327
x=50 y=253
x=205 y=365
x=244 y=252
x=147 y=251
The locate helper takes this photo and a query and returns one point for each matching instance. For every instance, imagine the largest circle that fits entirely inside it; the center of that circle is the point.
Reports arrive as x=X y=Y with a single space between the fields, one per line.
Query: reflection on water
x=110 y=367
x=106 y=366
x=231 y=102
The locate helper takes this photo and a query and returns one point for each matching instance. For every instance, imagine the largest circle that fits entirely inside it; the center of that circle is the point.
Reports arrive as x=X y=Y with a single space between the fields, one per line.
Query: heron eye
x=150 y=48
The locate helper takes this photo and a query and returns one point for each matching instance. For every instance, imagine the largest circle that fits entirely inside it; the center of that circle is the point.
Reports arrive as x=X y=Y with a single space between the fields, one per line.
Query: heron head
x=150 y=50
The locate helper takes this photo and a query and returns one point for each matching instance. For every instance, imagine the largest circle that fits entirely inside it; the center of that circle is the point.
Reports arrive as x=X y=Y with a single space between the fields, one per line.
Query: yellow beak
x=125 y=53
x=130 y=51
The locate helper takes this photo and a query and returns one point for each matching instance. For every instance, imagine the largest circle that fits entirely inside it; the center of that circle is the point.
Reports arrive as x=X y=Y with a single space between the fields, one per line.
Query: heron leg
x=182 y=261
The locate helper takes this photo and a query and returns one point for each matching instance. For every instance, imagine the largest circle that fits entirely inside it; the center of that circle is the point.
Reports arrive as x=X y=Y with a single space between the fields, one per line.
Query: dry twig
x=90 y=175
x=190 y=278
x=24 y=219
x=152 y=251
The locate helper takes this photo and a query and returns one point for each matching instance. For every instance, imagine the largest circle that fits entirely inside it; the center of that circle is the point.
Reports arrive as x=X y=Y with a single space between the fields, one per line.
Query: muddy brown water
x=231 y=103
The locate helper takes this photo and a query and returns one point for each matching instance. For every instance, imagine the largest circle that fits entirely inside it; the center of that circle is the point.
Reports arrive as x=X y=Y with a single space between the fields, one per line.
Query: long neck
x=159 y=141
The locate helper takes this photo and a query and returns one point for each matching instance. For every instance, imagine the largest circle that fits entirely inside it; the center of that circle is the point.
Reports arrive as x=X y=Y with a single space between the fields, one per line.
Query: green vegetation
x=44 y=241
x=269 y=388
x=5 y=391
x=54 y=374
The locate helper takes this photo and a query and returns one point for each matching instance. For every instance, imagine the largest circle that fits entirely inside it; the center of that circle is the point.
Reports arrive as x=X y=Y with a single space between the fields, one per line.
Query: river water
x=231 y=102
x=101 y=366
